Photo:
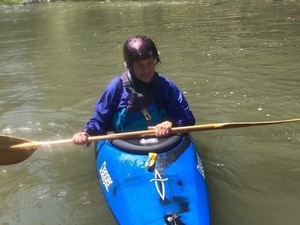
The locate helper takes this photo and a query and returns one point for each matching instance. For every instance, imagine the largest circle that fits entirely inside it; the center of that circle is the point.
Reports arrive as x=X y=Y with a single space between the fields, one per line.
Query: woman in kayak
x=139 y=99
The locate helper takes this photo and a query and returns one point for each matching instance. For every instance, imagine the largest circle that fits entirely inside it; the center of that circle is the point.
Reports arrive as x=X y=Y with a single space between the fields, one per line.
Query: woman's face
x=144 y=69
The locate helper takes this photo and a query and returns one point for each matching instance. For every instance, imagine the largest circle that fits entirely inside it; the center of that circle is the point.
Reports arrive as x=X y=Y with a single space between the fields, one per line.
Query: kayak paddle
x=14 y=150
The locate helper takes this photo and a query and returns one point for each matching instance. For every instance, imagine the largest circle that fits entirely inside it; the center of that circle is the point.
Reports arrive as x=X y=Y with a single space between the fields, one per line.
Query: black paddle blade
x=9 y=156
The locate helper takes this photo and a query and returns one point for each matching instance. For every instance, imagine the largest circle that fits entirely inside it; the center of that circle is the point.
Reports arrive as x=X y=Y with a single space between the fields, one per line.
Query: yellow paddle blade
x=10 y=155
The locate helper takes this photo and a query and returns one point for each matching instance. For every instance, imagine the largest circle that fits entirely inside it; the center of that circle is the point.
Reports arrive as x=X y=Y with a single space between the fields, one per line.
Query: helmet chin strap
x=130 y=75
x=136 y=81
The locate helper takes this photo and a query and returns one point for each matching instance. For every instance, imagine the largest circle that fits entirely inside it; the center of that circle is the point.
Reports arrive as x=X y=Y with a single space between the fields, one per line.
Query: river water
x=234 y=60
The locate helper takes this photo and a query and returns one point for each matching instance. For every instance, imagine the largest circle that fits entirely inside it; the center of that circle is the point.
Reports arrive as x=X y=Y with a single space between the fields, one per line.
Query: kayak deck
x=171 y=189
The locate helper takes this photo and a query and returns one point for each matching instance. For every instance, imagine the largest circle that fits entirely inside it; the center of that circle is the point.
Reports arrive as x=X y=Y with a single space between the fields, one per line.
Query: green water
x=234 y=60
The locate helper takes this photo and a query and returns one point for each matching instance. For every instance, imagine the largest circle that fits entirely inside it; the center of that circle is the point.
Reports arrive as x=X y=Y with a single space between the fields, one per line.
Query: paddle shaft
x=183 y=129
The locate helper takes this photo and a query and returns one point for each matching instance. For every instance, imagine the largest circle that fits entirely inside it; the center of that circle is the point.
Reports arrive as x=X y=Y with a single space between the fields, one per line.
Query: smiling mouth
x=147 y=77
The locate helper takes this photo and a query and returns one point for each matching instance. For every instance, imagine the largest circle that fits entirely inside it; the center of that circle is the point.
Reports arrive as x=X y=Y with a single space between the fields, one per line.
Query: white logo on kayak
x=159 y=184
x=199 y=166
x=105 y=177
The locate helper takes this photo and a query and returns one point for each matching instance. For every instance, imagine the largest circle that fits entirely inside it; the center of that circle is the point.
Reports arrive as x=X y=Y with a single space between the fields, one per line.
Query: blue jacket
x=116 y=97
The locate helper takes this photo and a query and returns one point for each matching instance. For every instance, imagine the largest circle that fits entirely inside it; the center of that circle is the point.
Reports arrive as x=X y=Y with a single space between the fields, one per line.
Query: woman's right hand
x=81 y=138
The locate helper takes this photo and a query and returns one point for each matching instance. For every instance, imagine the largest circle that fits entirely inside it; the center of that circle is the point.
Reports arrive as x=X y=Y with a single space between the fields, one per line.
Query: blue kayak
x=153 y=181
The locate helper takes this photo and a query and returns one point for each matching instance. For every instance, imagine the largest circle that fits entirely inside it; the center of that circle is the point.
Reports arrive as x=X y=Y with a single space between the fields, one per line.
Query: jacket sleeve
x=177 y=107
x=101 y=120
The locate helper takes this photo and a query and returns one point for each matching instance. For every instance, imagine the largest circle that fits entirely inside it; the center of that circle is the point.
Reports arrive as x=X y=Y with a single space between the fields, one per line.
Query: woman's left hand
x=162 y=129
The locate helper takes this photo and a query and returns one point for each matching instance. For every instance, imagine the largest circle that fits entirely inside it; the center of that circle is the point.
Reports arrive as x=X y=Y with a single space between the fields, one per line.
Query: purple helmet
x=139 y=47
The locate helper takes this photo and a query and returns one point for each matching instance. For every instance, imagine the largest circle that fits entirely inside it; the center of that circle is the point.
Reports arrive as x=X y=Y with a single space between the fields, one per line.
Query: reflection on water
x=239 y=61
